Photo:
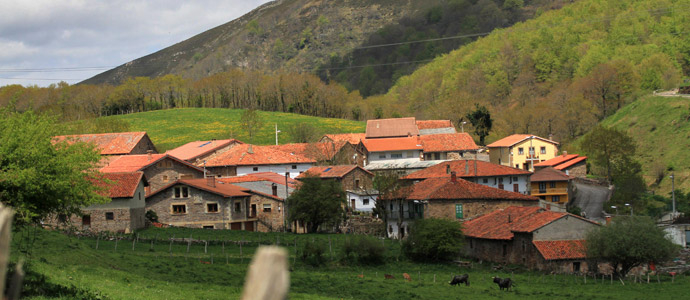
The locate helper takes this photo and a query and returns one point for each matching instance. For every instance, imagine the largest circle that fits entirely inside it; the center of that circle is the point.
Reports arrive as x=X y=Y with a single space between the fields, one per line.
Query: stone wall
x=144 y=145
x=124 y=220
x=160 y=176
x=578 y=169
x=471 y=208
x=366 y=180
x=271 y=220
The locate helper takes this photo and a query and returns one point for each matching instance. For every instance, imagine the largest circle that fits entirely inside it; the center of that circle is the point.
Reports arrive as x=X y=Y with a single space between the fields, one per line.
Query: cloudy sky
x=48 y=41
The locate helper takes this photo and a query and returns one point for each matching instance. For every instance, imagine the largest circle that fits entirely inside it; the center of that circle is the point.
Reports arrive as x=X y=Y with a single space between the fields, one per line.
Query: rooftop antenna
x=277 y=131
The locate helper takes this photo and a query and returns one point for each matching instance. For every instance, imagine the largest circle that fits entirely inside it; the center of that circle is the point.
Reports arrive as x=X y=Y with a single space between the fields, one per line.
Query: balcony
x=549 y=191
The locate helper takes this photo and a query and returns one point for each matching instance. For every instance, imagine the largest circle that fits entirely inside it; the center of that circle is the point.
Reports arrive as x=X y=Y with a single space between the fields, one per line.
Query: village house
x=352 y=138
x=247 y=159
x=210 y=203
x=119 y=143
x=159 y=169
x=391 y=128
x=448 y=198
x=435 y=127
x=198 y=152
x=571 y=164
x=522 y=151
x=326 y=153
x=530 y=236
x=447 y=146
x=551 y=185
x=399 y=155
x=355 y=181
x=477 y=171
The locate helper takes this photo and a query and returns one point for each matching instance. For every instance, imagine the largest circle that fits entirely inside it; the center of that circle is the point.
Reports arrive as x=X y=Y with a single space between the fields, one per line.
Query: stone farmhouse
x=120 y=143
x=198 y=152
x=355 y=181
x=246 y=159
x=159 y=169
x=325 y=153
x=530 y=236
x=522 y=151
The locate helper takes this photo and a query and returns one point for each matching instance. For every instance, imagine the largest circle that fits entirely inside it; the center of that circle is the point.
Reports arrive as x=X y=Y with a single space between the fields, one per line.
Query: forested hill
x=559 y=73
x=303 y=35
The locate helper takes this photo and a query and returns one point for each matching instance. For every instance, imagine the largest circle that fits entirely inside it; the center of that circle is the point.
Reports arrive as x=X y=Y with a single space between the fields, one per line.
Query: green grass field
x=174 y=127
x=62 y=267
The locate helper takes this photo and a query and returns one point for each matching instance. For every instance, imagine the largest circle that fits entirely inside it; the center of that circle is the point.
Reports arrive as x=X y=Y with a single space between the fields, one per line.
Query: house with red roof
x=248 y=159
x=551 y=185
x=159 y=169
x=198 y=152
x=531 y=236
x=522 y=151
x=398 y=149
x=214 y=204
x=477 y=171
x=355 y=181
x=326 y=153
x=435 y=127
x=571 y=164
x=391 y=128
x=352 y=138
x=118 y=143
x=447 y=146
x=447 y=197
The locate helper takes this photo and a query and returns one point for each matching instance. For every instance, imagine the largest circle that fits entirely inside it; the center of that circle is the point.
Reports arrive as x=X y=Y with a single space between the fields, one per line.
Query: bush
x=363 y=250
x=434 y=240
x=151 y=216
x=312 y=253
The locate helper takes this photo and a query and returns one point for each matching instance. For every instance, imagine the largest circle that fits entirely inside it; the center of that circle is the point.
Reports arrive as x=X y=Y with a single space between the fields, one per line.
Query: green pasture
x=68 y=267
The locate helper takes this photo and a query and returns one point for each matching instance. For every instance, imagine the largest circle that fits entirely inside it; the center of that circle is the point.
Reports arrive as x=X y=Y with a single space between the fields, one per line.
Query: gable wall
x=157 y=173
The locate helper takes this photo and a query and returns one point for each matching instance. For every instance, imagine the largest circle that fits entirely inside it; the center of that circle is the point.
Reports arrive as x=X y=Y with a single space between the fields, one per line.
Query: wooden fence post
x=268 y=277
x=5 y=236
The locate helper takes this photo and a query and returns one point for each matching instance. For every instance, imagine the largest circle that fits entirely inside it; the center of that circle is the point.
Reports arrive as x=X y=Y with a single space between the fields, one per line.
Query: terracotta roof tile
x=444 y=188
x=556 y=160
x=500 y=224
x=393 y=144
x=484 y=169
x=549 y=174
x=448 y=142
x=352 y=138
x=568 y=249
x=139 y=162
x=195 y=149
x=570 y=163
x=332 y=171
x=434 y=124
x=316 y=151
x=107 y=143
x=249 y=155
x=384 y=128
x=514 y=139
x=122 y=185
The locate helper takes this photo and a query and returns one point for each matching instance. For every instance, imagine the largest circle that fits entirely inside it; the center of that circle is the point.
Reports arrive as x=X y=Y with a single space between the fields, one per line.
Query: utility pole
x=277 y=131
x=673 y=195
x=462 y=126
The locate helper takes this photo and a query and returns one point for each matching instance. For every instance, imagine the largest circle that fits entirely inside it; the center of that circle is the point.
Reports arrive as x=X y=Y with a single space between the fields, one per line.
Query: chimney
x=453 y=177
x=287 y=175
x=448 y=169
x=210 y=181
x=250 y=150
x=608 y=220
x=149 y=154
x=551 y=136
x=274 y=189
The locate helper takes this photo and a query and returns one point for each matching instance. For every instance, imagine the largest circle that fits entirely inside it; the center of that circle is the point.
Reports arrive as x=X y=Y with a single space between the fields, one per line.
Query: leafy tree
x=317 y=202
x=251 y=121
x=481 y=121
x=434 y=240
x=39 y=178
x=629 y=242
x=609 y=149
x=303 y=132
x=388 y=185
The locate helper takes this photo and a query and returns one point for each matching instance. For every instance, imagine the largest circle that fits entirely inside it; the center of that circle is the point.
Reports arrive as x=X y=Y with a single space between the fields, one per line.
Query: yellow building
x=550 y=185
x=522 y=151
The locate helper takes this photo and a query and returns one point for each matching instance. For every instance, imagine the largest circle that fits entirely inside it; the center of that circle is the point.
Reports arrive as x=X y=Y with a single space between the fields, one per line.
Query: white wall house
x=294 y=169
x=393 y=150
x=361 y=201
x=514 y=183
x=395 y=156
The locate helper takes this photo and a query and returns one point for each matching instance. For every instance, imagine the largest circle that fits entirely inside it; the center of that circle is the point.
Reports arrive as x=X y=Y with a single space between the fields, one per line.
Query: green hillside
x=174 y=127
x=661 y=128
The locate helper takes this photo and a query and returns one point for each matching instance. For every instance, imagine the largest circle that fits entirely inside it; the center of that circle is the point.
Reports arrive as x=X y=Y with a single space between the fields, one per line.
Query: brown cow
x=407 y=277
x=389 y=276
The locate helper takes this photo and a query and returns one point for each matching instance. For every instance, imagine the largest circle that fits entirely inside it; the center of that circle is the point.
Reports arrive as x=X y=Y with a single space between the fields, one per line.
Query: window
x=542 y=150
x=356 y=183
x=365 y=201
x=165 y=178
x=517 y=166
x=500 y=180
x=555 y=198
x=485 y=180
x=500 y=186
x=179 y=209
x=86 y=220
x=165 y=164
x=294 y=167
x=238 y=206
x=458 y=211
x=110 y=216
x=542 y=187
x=521 y=151
x=515 y=178
x=516 y=188
x=255 y=169
x=552 y=184
x=410 y=154
x=576 y=266
x=382 y=156
x=212 y=207
x=267 y=207
x=181 y=192
x=396 y=155
x=208 y=227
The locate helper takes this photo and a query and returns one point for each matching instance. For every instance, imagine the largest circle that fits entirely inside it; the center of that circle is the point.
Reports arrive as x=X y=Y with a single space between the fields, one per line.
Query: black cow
x=457 y=279
x=503 y=283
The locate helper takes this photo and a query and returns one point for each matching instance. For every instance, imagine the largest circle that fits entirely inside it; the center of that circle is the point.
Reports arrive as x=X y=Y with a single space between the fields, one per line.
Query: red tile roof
x=195 y=149
x=433 y=124
x=445 y=189
x=250 y=155
x=514 y=139
x=570 y=163
x=399 y=127
x=261 y=176
x=139 y=162
x=107 y=143
x=352 y=138
x=122 y=185
x=445 y=142
x=502 y=223
x=219 y=188
x=568 y=249
x=392 y=144
x=332 y=171
x=316 y=151
x=484 y=169
x=549 y=174
x=556 y=160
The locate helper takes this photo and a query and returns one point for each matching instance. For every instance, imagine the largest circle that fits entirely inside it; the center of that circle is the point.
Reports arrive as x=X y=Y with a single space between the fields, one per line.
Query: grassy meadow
x=68 y=267
x=171 y=128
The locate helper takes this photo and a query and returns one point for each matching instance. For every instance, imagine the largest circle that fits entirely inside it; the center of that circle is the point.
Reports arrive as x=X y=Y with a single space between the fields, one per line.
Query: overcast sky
x=48 y=41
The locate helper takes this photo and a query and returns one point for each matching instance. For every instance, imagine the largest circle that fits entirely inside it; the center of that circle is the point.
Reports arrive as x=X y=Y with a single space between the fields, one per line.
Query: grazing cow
x=389 y=276
x=503 y=283
x=360 y=275
x=407 y=277
x=457 y=279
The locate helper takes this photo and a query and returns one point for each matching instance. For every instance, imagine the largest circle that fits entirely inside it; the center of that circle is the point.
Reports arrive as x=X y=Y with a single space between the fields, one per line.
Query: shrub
x=434 y=240
x=312 y=253
x=363 y=250
x=151 y=216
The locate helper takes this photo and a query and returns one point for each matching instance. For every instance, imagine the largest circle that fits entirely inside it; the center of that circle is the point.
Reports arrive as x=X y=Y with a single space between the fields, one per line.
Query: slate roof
x=108 y=143
x=565 y=249
x=514 y=139
x=193 y=150
x=251 y=155
x=433 y=124
x=398 y=127
x=223 y=189
x=352 y=138
x=332 y=171
x=484 y=169
x=393 y=144
x=549 y=174
x=401 y=165
x=139 y=162
x=122 y=185
x=502 y=223
x=447 y=142
x=446 y=189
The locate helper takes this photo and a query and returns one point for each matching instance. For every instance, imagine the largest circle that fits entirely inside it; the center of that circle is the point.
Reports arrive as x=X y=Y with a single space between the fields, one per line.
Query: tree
x=629 y=242
x=608 y=148
x=434 y=240
x=317 y=202
x=303 y=132
x=481 y=121
x=39 y=178
x=251 y=121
